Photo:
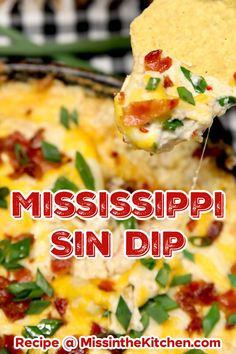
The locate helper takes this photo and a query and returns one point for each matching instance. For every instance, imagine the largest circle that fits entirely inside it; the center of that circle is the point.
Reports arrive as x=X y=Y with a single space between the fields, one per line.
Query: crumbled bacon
x=214 y=230
x=228 y=301
x=234 y=77
x=137 y=114
x=7 y=342
x=209 y=88
x=153 y=61
x=35 y=164
x=195 y=293
x=23 y=275
x=233 y=269
x=191 y=225
x=195 y=325
x=168 y=82
x=121 y=97
x=143 y=130
x=15 y=310
x=106 y=285
x=62 y=266
x=61 y=305
x=97 y=330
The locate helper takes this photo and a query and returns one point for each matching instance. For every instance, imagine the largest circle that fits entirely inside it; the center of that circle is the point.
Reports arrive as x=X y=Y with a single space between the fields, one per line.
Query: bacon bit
x=23 y=275
x=97 y=330
x=7 y=342
x=195 y=293
x=36 y=164
x=143 y=130
x=16 y=310
x=4 y=282
x=168 y=82
x=61 y=305
x=5 y=298
x=195 y=325
x=106 y=285
x=137 y=114
x=228 y=301
x=61 y=266
x=209 y=88
x=233 y=269
x=121 y=97
x=191 y=225
x=214 y=230
x=154 y=62
x=234 y=77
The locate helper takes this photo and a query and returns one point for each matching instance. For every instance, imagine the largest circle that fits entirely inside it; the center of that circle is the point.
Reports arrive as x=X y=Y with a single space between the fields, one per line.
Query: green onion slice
x=64 y=183
x=43 y=284
x=227 y=100
x=210 y=320
x=198 y=82
x=172 y=124
x=189 y=255
x=51 y=152
x=21 y=154
x=232 y=279
x=37 y=306
x=153 y=83
x=162 y=277
x=84 y=171
x=181 y=280
x=149 y=263
x=186 y=95
x=123 y=313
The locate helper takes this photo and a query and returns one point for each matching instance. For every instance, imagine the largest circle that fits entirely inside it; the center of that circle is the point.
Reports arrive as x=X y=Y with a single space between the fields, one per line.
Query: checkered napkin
x=65 y=21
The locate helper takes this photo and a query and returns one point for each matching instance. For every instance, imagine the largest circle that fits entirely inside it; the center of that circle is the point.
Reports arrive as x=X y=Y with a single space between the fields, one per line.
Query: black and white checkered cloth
x=65 y=21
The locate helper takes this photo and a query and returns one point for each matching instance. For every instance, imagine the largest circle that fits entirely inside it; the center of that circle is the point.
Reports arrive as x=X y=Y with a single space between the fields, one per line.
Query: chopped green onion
x=21 y=154
x=181 y=280
x=186 y=95
x=123 y=313
x=198 y=82
x=227 y=100
x=172 y=124
x=51 y=152
x=64 y=117
x=37 y=306
x=74 y=117
x=157 y=312
x=232 y=279
x=84 y=171
x=45 y=328
x=129 y=224
x=149 y=263
x=25 y=291
x=162 y=277
x=199 y=241
x=11 y=253
x=43 y=284
x=231 y=321
x=189 y=255
x=64 y=183
x=4 y=192
x=166 y=302
x=210 y=320
x=153 y=83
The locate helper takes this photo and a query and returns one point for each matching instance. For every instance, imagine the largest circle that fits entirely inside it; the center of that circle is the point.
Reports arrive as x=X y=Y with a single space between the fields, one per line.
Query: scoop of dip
x=184 y=72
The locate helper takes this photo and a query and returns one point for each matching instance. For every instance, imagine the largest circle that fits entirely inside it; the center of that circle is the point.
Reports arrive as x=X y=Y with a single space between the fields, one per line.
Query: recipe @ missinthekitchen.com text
x=123 y=342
